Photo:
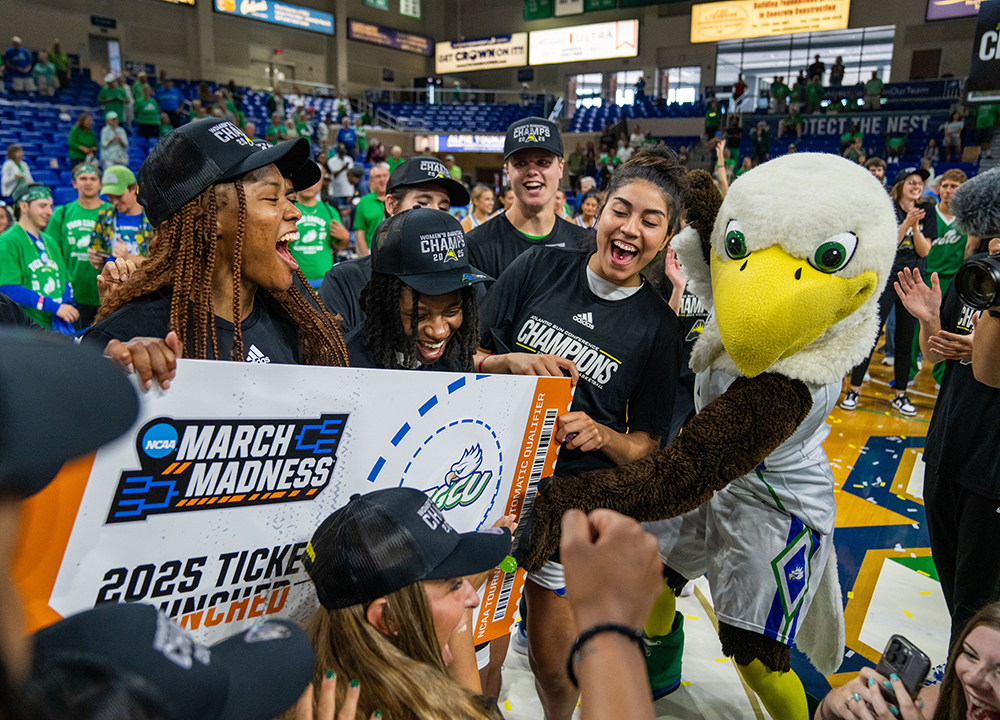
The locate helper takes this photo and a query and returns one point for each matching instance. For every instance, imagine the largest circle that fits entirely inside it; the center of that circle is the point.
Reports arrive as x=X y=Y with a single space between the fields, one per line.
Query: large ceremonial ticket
x=205 y=506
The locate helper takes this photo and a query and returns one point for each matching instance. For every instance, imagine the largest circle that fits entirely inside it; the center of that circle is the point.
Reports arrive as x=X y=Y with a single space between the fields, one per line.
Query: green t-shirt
x=147 y=112
x=312 y=251
x=947 y=249
x=274 y=133
x=361 y=134
x=70 y=227
x=456 y=172
x=164 y=129
x=394 y=163
x=78 y=137
x=303 y=130
x=986 y=116
x=780 y=91
x=712 y=118
x=45 y=70
x=22 y=263
x=60 y=60
x=116 y=98
x=137 y=94
x=793 y=119
x=368 y=214
x=814 y=93
x=873 y=87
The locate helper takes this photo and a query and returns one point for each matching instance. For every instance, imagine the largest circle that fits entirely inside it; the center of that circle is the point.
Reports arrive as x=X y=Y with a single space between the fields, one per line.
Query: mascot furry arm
x=797 y=312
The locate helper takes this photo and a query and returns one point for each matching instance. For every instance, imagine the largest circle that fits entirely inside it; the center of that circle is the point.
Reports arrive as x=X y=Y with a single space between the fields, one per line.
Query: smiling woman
x=219 y=274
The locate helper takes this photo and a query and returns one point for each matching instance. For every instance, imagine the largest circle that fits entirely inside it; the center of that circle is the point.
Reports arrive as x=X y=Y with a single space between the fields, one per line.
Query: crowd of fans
x=301 y=246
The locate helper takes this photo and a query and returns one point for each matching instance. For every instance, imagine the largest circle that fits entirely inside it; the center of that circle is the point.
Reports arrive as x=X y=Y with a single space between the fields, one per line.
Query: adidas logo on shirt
x=585 y=319
x=254 y=355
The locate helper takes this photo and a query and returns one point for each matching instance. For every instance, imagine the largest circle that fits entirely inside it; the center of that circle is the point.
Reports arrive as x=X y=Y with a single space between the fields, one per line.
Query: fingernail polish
x=893 y=710
x=921 y=704
x=857 y=697
x=887 y=684
x=329 y=674
x=378 y=714
x=354 y=684
x=894 y=677
x=871 y=681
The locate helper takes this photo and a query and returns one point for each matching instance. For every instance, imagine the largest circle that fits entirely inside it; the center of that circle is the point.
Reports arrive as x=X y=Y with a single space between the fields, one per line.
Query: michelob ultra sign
x=204 y=508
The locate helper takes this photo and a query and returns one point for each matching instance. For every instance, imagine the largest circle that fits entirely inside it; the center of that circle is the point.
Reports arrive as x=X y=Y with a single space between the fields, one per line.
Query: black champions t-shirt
x=906 y=252
x=964 y=433
x=628 y=351
x=495 y=244
x=361 y=356
x=269 y=334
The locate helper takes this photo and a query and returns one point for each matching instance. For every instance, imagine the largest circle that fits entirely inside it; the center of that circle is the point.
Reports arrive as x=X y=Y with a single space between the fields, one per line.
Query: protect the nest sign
x=734 y=19
x=205 y=506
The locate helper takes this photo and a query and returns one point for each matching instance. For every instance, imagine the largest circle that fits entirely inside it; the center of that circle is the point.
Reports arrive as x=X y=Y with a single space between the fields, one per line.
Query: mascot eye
x=834 y=253
x=736 y=243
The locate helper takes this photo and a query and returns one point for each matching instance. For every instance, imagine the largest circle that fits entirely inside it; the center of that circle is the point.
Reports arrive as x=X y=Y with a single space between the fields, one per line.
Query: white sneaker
x=850 y=401
x=889 y=360
x=904 y=406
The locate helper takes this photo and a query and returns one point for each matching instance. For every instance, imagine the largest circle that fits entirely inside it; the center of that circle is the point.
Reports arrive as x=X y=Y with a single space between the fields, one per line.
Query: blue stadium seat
x=63 y=195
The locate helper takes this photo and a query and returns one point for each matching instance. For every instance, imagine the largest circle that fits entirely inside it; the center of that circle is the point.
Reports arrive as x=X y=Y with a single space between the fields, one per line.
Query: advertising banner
x=984 y=72
x=947 y=9
x=460 y=143
x=870 y=123
x=373 y=34
x=278 y=13
x=568 y=7
x=734 y=19
x=483 y=54
x=584 y=42
x=204 y=508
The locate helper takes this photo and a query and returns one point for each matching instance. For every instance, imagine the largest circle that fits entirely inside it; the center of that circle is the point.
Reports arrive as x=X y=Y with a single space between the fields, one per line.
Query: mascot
x=791 y=267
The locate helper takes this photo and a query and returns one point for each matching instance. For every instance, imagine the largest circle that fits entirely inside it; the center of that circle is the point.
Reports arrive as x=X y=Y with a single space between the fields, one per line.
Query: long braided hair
x=182 y=254
x=386 y=338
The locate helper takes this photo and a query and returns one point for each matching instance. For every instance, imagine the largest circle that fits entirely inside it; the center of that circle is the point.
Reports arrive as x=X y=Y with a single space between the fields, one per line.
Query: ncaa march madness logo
x=191 y=465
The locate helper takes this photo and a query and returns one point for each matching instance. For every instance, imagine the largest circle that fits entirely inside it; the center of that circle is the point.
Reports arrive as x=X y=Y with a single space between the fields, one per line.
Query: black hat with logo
x=532 y=132
x=419 y=170
x=255 y=675
x=58 y=400
x=388 y=539
x=906 y=172
x=427 y=250
x=209 y=151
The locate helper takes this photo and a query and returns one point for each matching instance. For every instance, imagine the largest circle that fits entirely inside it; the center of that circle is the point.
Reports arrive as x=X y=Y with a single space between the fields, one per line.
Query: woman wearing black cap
x=390 y=574
x=917 y=227
x=421 y=311
x=219 y=273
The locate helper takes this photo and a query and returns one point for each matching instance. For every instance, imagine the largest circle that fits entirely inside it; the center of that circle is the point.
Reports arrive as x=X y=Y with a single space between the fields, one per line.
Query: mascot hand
x=730 y=437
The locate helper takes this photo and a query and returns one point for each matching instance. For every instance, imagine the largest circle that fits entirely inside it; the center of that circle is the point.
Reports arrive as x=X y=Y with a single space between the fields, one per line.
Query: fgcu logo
x=464 y=482
x=213 y=464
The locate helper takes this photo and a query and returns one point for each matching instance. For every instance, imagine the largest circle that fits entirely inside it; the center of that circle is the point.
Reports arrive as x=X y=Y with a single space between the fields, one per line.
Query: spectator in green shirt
x=137 y=93
x=112 y=96
x=44 y=73
x=873 y=92
x=275 y=132
x=814 y=94
x=82 y=139
x=321 y=235
x=792 y=123
x=165 y=124
x=453 y=169
x=779 y=93
x=395 y=158
x=371 y=208
x=986 y=120
x=60 y=59
x=147 y=114
x=713 y=118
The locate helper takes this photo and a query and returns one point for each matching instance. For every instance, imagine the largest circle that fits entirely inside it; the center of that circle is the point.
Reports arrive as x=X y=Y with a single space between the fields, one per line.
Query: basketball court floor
x=887 y=578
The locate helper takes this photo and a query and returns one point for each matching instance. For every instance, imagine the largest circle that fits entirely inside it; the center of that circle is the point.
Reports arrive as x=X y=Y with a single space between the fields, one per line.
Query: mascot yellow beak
x=769 y=305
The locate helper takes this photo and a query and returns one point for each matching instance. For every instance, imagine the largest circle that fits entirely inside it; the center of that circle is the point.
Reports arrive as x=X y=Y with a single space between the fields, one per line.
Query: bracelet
x=630 y=633
x=485 y=358
x=41 y=302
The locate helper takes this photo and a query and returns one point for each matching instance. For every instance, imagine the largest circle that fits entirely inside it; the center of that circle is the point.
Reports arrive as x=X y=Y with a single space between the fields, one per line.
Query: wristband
x=630 y=633
x=41 y=302
x=994 y=314
x=485 y=357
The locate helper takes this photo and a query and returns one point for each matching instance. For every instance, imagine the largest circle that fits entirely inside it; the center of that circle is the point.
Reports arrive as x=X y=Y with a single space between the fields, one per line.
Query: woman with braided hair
x=421 y=311
x=220 y=282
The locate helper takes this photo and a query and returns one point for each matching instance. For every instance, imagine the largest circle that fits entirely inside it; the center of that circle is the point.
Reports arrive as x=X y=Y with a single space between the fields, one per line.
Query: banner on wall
x=869 y=123
x=459 y=143
x=947 y=9
x=205 y=506
x=482 y=54
x=373 y=34
x=584 y=42
x=278 y=13
x=734 y=19
x=984 y=71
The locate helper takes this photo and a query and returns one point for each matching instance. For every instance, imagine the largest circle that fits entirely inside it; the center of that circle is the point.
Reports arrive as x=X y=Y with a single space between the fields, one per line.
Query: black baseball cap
x=205 y=152
x=58 y=400
x=255 y=675
x=388 y=539
x=532 y=132
x=427 y=250
x=906 y=172
x=419 y=170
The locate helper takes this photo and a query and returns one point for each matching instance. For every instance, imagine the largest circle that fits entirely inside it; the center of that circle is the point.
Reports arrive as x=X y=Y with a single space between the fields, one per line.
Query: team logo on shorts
x=213 y=464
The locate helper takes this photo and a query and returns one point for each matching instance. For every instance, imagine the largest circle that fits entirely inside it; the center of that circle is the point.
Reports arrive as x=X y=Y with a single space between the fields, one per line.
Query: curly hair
x=659 y=166
x=386 y=338
x=182 y=254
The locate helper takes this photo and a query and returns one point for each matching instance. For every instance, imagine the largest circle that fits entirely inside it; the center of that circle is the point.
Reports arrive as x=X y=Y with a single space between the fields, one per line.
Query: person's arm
x=924 y=304
x=613 y=576
x=578 y=431
x=340 y=236
x=986 y=348
x=672 y=269
x=971 y=246
x=359 y=243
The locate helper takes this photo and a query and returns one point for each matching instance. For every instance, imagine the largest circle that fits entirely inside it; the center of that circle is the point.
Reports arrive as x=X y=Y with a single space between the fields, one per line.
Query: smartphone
x=908 y=662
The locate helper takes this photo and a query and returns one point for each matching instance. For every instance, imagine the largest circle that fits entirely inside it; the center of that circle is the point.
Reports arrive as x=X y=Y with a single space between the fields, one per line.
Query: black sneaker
x=904 y=406
x=850 y=401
